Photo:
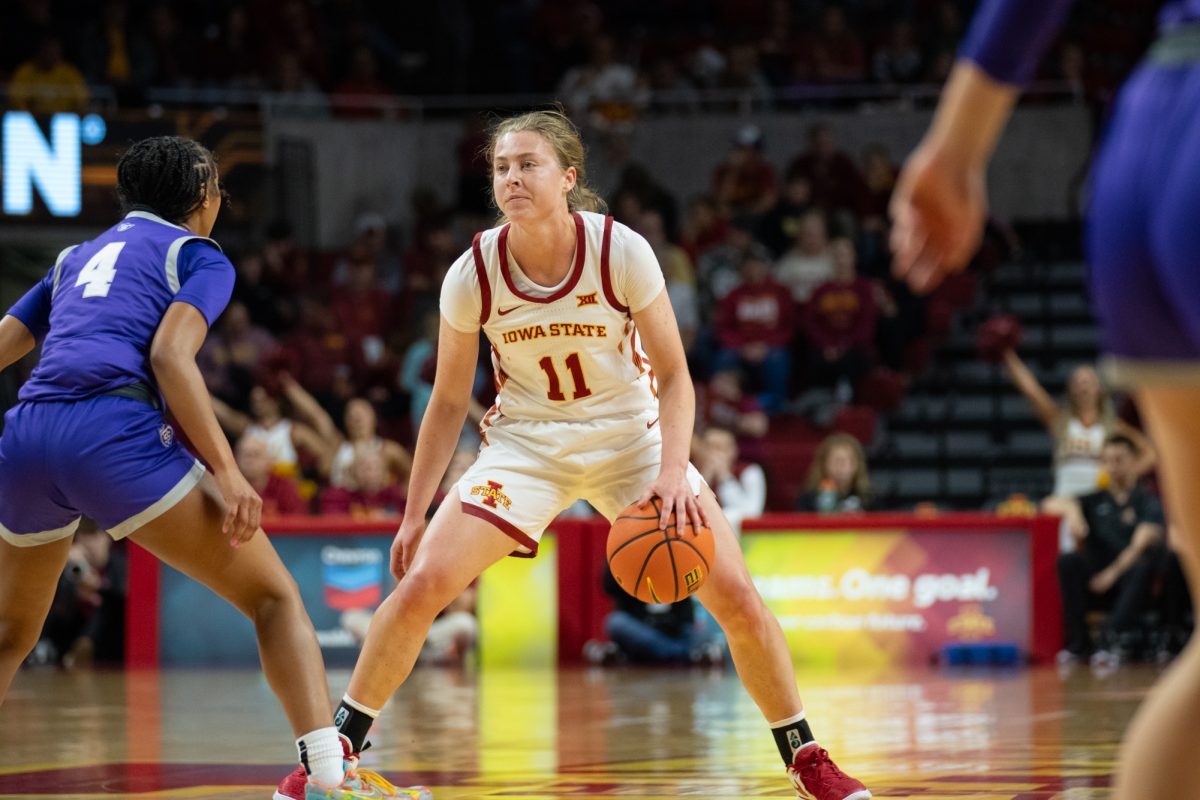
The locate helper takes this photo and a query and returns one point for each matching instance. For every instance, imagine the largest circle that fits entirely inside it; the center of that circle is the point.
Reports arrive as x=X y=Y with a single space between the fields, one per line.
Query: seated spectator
x=879 y=176
x=280 y=494
x=743 y=78
x=836 y=182
x=372 y=242
x=723 y=404
x=86 y=621
x=745 y=182
x=837 y=51
x=1174 y=603
x=839 y=321
x=678 y=271
x=669 y=88
x=719 y=268
x=231 y=355
x=703 y=229
x=809 y=261
x=837 y=480
x=264 y=304
x=47 y=83
x=294 y=93
x=361 y=423
x=362 y=94
x=899 y=59
x=653 y=633
x=1119 y=536
x=741 y=487
x=453 y=634
x=754 y=326
x=603 y=91
x=320 y=354
x=285 y=438
x=780 y=226
x=374 y=495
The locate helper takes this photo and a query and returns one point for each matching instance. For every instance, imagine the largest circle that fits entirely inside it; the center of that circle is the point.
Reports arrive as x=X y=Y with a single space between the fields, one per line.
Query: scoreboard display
x=63 y=168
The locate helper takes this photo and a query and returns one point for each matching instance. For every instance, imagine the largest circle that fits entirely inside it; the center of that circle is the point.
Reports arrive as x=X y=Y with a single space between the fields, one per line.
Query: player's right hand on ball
x=404 y=546
x=243 y=507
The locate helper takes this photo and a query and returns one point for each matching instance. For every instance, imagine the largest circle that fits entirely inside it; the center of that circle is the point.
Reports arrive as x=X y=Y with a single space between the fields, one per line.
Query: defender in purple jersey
x=122 y=318
x=1144 y=250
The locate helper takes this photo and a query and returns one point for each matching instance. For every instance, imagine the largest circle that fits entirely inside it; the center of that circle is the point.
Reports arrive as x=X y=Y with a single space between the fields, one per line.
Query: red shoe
x=816 y=777
x=292 y=787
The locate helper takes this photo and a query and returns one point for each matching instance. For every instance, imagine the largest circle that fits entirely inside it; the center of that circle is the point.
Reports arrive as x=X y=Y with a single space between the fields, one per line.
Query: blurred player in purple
x=1143 y=242
x=122 y=317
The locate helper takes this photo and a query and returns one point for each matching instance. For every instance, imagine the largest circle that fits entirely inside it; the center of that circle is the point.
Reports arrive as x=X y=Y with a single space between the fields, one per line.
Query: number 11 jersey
x=100 y=305
x=566 y=352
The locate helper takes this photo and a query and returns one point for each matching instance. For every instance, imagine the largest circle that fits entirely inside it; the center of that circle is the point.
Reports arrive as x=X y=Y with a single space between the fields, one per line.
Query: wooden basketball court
x=583 y=734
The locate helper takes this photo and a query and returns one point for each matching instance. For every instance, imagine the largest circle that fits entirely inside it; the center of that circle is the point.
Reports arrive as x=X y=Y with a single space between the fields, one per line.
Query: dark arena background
x=901 y=468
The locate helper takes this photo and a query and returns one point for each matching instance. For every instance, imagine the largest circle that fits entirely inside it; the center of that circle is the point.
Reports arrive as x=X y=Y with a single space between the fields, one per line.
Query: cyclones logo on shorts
x=492 y=496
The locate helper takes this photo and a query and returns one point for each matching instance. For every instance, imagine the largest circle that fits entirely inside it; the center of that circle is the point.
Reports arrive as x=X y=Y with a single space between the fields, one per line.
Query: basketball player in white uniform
x=594 y=401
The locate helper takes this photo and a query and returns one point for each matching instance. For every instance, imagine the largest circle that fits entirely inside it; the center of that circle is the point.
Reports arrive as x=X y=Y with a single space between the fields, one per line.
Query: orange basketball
x=654 y=565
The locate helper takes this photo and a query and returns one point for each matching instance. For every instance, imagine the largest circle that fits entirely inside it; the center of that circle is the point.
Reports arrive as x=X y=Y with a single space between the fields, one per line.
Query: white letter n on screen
x=52 y=165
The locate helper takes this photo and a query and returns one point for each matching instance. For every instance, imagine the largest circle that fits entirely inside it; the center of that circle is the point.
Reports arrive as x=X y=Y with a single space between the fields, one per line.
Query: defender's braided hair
x=169 y=175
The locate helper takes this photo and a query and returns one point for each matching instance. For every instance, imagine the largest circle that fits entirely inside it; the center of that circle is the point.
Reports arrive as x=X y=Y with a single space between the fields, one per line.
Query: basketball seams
x=697 y=549
x=674 y=567
x=645 y=562
x=628 y=542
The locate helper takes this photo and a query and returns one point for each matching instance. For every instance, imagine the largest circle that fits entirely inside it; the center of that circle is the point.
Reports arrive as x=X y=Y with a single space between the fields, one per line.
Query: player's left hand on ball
x=676 y=495
x=938 y=211
x=243 y=507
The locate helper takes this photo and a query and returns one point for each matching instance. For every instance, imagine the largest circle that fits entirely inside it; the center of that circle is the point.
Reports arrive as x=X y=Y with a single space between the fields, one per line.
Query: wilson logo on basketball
x=491 y=494
x=693 y=579
x=586 y=300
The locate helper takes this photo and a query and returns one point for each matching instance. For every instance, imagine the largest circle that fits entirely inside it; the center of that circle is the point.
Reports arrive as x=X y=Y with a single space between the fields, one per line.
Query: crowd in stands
x=322 y=365
x=608 y=60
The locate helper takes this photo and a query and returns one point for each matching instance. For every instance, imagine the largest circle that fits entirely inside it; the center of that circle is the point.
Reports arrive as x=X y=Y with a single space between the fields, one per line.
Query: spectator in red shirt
x=839 y=321
x=745 y=182
x=723 y=403
x=754 y=326
x=319 y=354
x=229 y=358
x=837 y=52
x=362 y=93
x=374 y=495
x=837 y=185
x=280 y=494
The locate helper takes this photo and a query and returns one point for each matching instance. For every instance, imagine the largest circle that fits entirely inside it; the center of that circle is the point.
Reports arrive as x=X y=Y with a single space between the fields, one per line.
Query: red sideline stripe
x=141 y=613
x=505 y=527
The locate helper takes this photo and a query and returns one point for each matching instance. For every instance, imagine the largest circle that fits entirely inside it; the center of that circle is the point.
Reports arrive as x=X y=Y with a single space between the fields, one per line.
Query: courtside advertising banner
x=892 y=596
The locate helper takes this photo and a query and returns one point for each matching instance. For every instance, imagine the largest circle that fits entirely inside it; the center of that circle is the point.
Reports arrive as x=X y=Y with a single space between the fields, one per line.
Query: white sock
x=321 y=754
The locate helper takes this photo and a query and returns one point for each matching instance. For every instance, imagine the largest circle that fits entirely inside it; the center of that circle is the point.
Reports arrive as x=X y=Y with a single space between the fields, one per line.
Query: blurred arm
x=16 y=340
x=1024 y=379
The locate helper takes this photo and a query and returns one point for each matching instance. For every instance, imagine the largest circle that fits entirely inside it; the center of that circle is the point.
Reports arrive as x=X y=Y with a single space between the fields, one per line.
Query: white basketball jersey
x=1077 y=458
x=573 y=354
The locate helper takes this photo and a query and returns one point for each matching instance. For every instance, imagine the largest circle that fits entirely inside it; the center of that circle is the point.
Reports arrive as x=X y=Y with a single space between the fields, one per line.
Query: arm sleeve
x=461 y=299
x=34 y=308
x=206 y=279
x=637 y=278
x=1007 y=37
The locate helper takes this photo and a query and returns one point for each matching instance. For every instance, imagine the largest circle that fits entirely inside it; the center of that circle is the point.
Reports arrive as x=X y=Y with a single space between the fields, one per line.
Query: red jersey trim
x=605 y=272
x=506 y=527
x=485 y=288
x=580 y=255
